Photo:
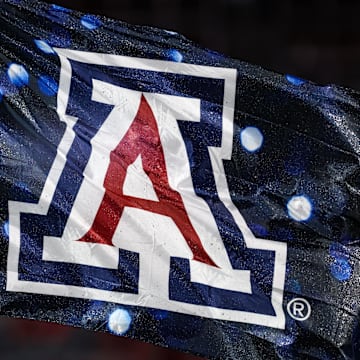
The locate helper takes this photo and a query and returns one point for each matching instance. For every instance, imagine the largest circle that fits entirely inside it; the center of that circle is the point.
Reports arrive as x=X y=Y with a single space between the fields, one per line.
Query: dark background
x=317 y=40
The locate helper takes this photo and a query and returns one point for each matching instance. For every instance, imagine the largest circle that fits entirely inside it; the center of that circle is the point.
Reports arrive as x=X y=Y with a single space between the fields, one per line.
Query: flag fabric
x=157 y=190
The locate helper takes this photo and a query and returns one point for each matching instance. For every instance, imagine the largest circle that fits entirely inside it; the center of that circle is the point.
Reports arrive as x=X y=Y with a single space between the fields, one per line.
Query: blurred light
x=341 y=269
x=47 y=85
x=170 y=32
x=90 y=22
x=295 y=80
x=251 y=138
x=175 y=55
x=299 y=208
x=6 y=228
x=59 y=8
x=44 y=46
x=18 y=75
x=119 y=321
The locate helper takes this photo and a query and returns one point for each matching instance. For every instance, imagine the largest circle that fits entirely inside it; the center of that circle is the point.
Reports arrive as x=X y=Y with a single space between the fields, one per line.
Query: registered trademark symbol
x=299 y=309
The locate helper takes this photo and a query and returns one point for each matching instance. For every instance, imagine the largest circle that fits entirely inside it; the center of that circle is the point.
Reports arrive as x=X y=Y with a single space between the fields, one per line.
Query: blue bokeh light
x=251 y=139
x=175 y=55
x=44 y=46
x=300 y=208
x=119 y=321
x=47 y=85
x=6 y=228
x=90 y=22
x=59 y=8
x=18 y=75
x=341 y=269
x=1 y=93
x=295 y=80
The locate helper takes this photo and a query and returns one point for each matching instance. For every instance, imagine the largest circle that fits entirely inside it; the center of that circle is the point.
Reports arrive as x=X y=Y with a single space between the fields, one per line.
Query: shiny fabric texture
x=294 y=176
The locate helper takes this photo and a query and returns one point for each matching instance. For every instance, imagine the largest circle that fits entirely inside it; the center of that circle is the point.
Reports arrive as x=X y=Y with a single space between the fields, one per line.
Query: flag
x=157 y=190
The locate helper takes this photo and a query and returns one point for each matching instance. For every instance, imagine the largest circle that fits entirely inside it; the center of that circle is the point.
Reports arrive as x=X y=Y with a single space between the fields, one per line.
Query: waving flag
x=153 y=189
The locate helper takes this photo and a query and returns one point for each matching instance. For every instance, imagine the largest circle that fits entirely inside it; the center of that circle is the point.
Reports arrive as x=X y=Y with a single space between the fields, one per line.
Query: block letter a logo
x=142 y=139
x=137 y=198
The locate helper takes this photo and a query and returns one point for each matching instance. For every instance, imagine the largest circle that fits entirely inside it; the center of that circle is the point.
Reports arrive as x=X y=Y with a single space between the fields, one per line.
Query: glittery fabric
x=293 y=175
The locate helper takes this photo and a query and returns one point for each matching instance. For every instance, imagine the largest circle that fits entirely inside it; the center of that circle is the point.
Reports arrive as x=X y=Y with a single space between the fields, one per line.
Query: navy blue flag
x=153 y=189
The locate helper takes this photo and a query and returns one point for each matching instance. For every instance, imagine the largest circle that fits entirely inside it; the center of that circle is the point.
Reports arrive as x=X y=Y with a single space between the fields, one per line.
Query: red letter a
x=142 y=138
